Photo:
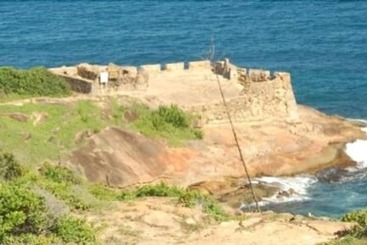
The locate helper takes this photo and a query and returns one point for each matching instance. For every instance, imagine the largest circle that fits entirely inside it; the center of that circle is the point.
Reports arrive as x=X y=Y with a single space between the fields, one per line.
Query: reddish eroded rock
x=122 y=158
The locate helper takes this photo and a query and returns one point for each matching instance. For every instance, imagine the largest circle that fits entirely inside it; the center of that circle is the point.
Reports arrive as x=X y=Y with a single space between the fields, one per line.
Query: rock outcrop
x=156 y=221
x=121 y=158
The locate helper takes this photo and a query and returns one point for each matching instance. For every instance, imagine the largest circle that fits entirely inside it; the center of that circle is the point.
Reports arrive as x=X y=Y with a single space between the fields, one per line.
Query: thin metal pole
x=238 y=144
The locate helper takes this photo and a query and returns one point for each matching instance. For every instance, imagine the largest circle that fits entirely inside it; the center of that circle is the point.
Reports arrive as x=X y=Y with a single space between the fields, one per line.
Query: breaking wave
x=297 y=189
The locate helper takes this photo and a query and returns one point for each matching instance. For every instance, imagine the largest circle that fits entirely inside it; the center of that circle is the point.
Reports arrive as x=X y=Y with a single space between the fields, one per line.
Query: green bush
x=168 y=122
x=213 y=209
x=186 y=197
x=173 y=115
x=9 y=168
x=59 y=181
x=360 y=217
x=71 y=229
x=58 y=174
x=21 y=211
x=37 y=81
x=64 y=192
x=159 y=190
x=31 y=239
x=104 y=193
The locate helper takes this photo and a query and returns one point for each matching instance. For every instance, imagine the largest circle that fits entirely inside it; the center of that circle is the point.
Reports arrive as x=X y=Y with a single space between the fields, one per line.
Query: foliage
x=24 y=216
x=360 y=217
x=348 y=240
x=71 y=229
x=9 y=167
x=213 y=209
x=37 y=81
x=159 y=190
x=172 y=115
x=59 y=132
x=31 y=239
x=184 y=196
x=104 y=193
x=58 y=174
x=21 y=211
x=65 y=193
x=52 y=138
x=168 y=122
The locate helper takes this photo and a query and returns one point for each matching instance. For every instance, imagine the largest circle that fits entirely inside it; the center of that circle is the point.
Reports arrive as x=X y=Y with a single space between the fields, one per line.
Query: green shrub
x=64 y=192
x=37 y=81
x=9 y=168
x=213 y=209
x=187 y=197
x=173 y=115
x=31 y=239
x=168 y=122
x=58 y=174
x=104 y=193
x=21 y=211
x=74 y=230
x=191 y=197
x=158 y=190
x=360 y=217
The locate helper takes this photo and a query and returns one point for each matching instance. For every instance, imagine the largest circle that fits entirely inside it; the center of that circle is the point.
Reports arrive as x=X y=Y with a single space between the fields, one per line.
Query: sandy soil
x=161 y=221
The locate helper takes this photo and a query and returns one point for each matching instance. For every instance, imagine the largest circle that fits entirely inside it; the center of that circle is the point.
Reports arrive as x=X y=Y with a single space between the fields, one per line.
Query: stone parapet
x=175 y=66
x=264 y=94
x=199 y=65
x=152 y=68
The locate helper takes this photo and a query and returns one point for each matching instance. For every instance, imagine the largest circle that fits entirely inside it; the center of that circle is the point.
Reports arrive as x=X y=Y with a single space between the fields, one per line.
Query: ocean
x=322 y=43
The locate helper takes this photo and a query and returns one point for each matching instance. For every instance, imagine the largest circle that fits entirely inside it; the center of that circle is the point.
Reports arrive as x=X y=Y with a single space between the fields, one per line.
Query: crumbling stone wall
x=88 y=71
x=265 y=95
x=271 y=99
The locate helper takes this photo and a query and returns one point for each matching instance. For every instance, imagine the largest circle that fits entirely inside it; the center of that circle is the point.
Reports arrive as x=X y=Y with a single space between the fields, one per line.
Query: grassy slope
x=51 y=138
x=34 y=143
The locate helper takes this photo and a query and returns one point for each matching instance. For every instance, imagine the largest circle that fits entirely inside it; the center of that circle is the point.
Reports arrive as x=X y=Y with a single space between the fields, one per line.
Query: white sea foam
x=357 y=150
x=295 y=188
x=292 y=189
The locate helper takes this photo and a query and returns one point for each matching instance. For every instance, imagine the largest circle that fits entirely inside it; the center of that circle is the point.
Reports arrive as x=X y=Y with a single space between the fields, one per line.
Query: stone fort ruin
x=251 y=94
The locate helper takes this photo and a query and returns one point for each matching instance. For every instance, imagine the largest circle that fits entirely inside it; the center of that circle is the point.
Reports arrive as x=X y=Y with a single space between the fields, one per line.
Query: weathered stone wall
x=265 y=95
x=78 y=85
x=175 y=66
x=271 y=99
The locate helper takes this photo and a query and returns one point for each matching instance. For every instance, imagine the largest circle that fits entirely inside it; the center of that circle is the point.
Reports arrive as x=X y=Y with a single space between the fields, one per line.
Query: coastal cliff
x=277 y=136
x=175 y=129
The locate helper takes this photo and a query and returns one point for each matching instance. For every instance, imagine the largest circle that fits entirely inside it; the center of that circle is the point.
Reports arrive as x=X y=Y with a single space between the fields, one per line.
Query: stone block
x=151 y=68
x=284 y=76
x=114 y=71
x=200 y=65
x=175 y=66
x=258 y=75
x=87 y=71
x=129 y=70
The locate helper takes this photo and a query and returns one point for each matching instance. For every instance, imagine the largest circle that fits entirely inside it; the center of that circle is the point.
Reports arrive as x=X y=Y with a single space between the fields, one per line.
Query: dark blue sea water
x=322 y=43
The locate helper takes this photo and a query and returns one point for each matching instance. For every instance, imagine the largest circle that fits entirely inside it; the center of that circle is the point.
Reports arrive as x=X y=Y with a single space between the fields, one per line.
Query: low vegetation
x=358 y=234
x=186 y=197
x=49 y=131
x=37 y=206
x=33 y=82
x=359 y=217
x=168 y=122
x=27 y=216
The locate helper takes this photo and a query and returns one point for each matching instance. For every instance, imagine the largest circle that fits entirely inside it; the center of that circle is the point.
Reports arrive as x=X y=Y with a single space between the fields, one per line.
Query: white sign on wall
x=103 y=77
